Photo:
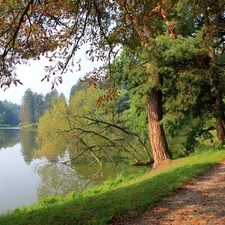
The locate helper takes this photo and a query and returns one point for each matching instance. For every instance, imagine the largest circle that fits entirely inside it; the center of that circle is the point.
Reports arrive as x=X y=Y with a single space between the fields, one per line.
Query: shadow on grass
x=116 y=206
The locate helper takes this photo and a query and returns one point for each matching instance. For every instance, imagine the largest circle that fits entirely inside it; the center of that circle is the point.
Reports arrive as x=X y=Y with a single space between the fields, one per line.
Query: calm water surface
x=24 y=179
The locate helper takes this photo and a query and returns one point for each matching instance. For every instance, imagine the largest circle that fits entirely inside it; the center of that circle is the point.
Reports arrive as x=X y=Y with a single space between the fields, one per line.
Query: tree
x=77 y=87
x=27 y=107
x=209 y=17
x=9 y=113
x=32 y=108
x=175 y=56
x=49 y=97
x=38 y=106
x=33 y=28
x=186 y=63
x=51 y=140
x=88 y=132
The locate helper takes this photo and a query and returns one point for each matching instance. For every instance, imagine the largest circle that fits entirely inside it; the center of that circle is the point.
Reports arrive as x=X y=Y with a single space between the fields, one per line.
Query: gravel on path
x=200 y=202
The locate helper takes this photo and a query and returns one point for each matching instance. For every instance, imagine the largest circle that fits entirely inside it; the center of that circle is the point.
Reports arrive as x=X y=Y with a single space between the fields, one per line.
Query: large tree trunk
x=220 y=130
x=219 y=109
x=220 y=119
x=156 y=131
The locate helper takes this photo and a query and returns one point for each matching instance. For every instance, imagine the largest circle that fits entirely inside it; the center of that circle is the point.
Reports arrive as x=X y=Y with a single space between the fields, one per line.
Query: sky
x=31 y=75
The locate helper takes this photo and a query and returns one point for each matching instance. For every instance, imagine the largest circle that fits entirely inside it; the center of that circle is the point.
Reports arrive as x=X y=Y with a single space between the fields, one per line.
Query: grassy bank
x=28 y=125
x=115 y=200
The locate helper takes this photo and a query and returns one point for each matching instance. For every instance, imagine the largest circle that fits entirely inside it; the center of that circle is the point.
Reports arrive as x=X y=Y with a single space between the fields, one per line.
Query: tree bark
x=157 y=135
x=218 y=106
x=220 y=119
x=220 y=130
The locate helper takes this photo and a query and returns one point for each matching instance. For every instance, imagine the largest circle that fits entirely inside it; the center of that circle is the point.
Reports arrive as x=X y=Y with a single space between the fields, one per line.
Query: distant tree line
x=33 y=105
x=9 y=113
x=32 y=108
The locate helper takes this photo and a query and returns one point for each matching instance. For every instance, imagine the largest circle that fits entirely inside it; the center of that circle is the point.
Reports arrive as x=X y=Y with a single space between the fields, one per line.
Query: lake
x=24 y=178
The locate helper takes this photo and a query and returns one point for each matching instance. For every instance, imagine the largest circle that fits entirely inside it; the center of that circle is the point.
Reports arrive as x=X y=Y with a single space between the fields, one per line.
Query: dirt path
x=202 y=201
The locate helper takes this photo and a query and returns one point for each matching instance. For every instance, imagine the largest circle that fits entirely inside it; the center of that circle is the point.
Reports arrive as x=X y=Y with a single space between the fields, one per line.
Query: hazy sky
x=31 y=75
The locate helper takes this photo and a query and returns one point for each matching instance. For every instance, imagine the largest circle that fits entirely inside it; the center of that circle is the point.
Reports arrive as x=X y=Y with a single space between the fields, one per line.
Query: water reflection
x=60 y=179
x=28 y=144
x=9 y=137
x=17 y=178
x=24 y=178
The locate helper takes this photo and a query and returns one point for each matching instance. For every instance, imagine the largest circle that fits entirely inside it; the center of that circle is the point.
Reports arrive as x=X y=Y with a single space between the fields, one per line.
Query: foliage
x=34 y=28
x=188 y=89
x=31 y=107
x=49 y=98
x=87 y=132
x=104 y=205
x=9 y=113
x=34 y=105
x=50 y=137
x=77 y=87
x=136 y=117
x=186 y=63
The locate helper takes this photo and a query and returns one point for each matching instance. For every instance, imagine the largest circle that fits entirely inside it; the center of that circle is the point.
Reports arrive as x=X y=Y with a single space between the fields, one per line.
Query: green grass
x=28 y=125
x=115 y=199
